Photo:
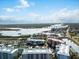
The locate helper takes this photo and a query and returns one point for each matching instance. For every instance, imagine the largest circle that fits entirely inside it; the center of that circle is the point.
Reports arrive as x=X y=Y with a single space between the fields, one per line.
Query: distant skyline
x=39 y=11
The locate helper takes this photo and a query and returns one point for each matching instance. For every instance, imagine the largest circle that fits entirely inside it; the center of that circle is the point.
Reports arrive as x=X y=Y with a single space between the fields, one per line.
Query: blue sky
x=39 y=11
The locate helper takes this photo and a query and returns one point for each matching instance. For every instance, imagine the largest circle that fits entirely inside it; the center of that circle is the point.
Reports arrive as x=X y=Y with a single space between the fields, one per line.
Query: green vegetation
x=22 y=36
x=13 y=40
x=74 y=55
x=74 y=37
x=74 y=32
x=24 y=25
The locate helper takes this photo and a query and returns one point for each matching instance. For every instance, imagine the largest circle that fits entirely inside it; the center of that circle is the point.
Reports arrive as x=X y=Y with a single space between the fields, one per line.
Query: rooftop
x=37 y=51
x=7 y=49
x=57 y=40
x=63 y=49
x=58 y=26
x=29 y=39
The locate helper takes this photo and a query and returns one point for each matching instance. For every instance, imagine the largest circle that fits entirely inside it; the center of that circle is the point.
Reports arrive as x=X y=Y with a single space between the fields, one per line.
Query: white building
x=8 y=53
x=37 y=53
x=63 y=52
x=58 y=26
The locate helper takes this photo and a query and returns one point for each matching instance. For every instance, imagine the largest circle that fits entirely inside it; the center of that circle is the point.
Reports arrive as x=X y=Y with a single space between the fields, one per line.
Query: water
x=29 y=31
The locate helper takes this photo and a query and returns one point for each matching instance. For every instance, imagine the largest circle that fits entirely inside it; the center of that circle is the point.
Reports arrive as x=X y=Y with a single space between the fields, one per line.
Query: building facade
x=37 y=54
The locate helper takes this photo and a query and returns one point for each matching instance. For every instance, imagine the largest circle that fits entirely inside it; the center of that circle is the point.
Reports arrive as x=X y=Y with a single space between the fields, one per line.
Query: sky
x=39 y=11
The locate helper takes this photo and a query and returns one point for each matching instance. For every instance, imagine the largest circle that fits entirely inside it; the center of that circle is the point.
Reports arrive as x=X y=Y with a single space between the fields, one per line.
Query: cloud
x=60 y=16
x=9 y=10
x=32 y=14
x=67 y=15
x=23 y=4
x=64 y=15
x=6 y=17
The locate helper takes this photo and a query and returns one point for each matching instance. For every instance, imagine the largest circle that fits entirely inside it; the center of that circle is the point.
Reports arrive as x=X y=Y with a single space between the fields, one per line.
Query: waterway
x=22 y=31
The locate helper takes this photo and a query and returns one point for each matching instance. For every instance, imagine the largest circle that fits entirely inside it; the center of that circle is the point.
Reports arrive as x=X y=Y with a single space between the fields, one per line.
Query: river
x=22 y=31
